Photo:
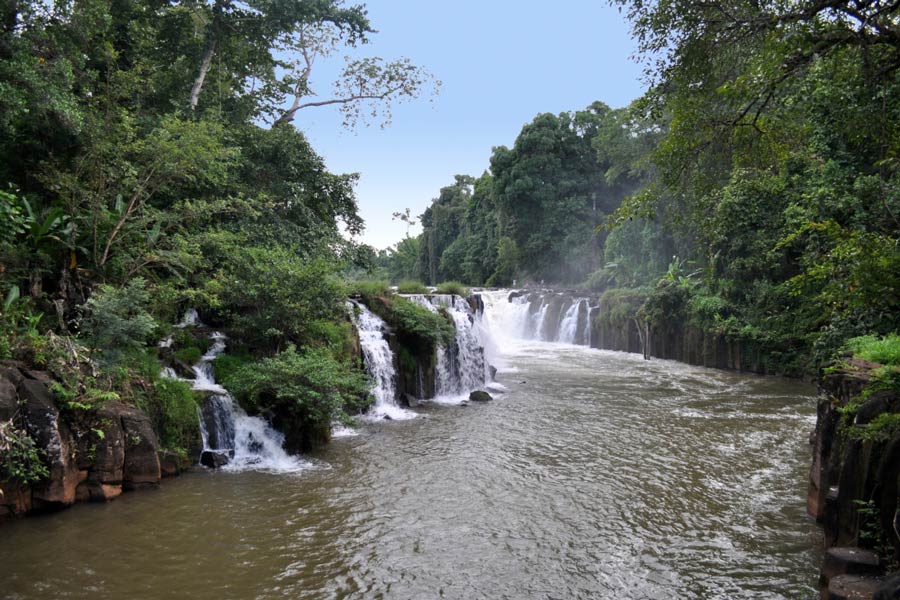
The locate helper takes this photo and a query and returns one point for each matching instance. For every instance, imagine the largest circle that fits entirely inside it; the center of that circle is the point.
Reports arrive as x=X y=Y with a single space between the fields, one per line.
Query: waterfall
x=537 y=319
x=379 y=363
x=469 y=348
x=191 y=318
x=460 y=366
x=569 y=323
x=545 y=316
x=516 y=313
x=231 y=438
x=217 y=425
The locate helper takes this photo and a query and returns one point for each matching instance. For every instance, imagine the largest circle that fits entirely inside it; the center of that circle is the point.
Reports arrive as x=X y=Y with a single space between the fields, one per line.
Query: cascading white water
x=470 y=373
x=537 y=320
x=191 y=318
x=525 y=317
x=460 y=367
x=515 y=314
x=204 y=375
x=379 y=363
x=226 y=430
x=568 y=326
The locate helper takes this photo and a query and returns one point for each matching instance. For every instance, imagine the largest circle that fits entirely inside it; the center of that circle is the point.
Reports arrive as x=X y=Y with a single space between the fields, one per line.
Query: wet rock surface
x=214 y=459
x=888 y=589
x=53 y=436
x=480 y=396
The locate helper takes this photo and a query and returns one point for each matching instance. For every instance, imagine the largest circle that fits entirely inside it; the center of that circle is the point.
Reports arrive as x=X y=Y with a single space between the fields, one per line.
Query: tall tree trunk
x=36 y=284
x=204 y=69
x=212 y=44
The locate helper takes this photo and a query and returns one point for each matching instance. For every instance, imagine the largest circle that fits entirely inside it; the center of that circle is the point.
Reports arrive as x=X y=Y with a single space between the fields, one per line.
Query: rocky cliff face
x=853 y=484
x=685 y=343
x=91 y=458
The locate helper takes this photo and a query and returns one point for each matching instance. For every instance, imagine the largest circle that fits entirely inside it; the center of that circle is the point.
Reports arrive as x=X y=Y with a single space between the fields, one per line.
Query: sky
x=501 y=62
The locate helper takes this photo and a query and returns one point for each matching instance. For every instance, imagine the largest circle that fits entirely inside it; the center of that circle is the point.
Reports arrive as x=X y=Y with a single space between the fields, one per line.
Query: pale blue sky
x=501 y=63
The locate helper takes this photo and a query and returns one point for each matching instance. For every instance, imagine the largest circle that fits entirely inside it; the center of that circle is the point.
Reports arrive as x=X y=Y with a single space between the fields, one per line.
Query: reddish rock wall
x=83 y=465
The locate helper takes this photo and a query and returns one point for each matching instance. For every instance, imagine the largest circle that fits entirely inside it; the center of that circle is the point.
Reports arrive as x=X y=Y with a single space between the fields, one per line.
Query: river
x=597 y=475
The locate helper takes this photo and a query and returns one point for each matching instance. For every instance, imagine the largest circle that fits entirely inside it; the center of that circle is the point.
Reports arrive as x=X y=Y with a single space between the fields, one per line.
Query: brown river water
x=597 y=475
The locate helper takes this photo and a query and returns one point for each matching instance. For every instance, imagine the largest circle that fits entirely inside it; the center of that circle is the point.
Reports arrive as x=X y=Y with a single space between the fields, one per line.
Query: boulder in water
x=849 y=560
x=215 y=459
x=493 y=371
x=171 y=464
x=480 y=396
x=411 y=401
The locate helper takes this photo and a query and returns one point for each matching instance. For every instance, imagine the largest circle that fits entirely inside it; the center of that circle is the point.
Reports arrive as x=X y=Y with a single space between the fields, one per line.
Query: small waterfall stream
x=569 y=323
x=379 y=363
x=228 y=432
x=231 y=439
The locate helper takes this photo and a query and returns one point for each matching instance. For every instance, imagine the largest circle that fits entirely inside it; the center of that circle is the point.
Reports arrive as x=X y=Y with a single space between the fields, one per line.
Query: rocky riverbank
x=90 y=455
x=853 y=484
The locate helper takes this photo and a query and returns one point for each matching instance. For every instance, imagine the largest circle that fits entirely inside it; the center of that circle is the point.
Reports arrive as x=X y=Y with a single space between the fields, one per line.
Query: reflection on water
x=598 y=475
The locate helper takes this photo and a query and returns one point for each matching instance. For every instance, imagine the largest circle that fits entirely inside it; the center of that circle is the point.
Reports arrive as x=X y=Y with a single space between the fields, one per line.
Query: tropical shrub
x=172 y=406
x=307 y=388
x=411 y=286
x=884 y=350
x=453 y=287
x=369 y=289
x=417 y=321
x=115 y=319
x=20 y=458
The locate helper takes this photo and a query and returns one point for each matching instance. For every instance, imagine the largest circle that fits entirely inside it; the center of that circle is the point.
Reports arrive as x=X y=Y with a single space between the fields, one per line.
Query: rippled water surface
x=598 y=475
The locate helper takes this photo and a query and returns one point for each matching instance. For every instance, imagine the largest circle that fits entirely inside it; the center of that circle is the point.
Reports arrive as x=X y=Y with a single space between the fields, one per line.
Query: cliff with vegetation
x=855 y=473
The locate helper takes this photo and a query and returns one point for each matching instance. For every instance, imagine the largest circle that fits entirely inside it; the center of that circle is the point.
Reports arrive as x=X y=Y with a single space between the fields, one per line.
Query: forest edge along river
x=595 y=474
x=713 y=183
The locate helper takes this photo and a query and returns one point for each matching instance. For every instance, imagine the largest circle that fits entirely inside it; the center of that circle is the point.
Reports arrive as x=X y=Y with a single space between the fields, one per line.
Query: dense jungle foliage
x=148 y=164
x=753 y=192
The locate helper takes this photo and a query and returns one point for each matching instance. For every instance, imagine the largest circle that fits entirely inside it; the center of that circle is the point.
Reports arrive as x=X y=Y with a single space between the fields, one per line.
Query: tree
x=116 y=320
x=400 y=261
x=441 y=223
x=251 y=32
x=366 y=87
x=551 y=191
x=405 y=217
